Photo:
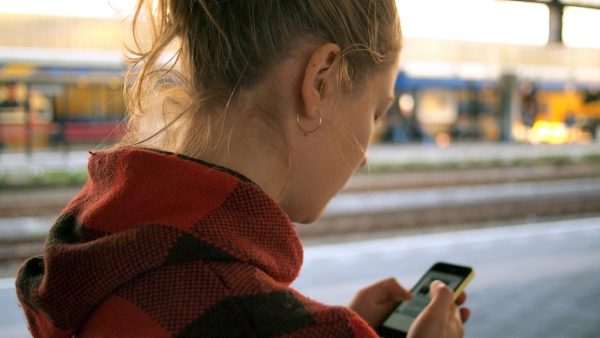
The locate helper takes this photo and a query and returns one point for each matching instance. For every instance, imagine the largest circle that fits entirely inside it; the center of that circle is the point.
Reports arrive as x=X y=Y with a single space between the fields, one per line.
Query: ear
x=318 y=83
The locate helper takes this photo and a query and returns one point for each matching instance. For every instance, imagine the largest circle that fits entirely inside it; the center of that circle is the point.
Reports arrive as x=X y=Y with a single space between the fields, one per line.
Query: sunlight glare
x=581 y=26
x=475 y=20
x=102 y=9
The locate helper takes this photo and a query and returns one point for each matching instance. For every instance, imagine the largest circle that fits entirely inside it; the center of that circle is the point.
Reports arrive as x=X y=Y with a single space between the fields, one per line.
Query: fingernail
x=438 y=283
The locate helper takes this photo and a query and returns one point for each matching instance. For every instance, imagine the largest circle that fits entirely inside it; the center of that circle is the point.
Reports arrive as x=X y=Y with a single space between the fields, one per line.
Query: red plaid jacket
x=161 y=245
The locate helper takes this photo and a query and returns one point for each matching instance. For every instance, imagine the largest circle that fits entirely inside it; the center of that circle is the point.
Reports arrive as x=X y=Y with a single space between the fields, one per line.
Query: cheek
x=364 y=131
x=356 y=142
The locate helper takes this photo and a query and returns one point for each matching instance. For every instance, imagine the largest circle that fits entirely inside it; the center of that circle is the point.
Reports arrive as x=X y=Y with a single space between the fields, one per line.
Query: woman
x=262 y=114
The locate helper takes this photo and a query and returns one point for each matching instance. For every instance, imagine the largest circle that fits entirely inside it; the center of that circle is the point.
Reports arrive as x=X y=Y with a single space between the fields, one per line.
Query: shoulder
x=274 y=309
x=208 y=299
x=330 y=321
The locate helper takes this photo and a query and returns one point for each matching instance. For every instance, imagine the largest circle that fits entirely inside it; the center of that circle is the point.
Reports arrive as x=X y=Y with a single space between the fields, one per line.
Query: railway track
x=401 y=202
x=49 y=201
x=19 y=248
x=471 y=177
x=16 y=249
x=448 y=216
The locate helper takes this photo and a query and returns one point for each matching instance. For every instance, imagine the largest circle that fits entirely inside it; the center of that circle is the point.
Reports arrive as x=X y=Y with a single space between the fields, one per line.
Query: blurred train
x=49 y=105
x=44 y=106
x=445 y=110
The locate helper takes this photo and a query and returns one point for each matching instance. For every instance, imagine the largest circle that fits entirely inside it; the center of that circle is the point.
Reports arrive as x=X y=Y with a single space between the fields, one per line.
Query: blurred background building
x=472 y=70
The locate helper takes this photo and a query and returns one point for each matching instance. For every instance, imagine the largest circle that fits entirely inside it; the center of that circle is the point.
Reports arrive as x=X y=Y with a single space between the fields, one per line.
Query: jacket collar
x=141 y=210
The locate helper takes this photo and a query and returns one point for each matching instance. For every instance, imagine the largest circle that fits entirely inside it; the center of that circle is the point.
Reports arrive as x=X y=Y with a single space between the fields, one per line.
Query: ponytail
x=202 y=53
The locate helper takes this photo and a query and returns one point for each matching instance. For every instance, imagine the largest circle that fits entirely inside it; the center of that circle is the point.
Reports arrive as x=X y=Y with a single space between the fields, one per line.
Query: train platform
x=427 y=154
x=532 y=280
x=474 y=152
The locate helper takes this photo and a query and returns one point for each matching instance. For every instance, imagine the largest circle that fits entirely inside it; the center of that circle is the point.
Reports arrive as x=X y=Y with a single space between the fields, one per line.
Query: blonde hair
x=225 y=46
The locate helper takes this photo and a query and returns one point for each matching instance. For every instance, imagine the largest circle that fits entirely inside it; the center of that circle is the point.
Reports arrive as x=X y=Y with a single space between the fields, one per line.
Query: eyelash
x=378 y=116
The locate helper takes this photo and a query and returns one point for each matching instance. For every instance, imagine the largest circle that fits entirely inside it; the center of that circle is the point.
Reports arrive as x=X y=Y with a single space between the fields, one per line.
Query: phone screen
x=406 y=312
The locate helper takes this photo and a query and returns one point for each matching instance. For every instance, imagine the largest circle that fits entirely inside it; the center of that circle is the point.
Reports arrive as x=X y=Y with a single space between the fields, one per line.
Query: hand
x=374 y=303
x=441 y=318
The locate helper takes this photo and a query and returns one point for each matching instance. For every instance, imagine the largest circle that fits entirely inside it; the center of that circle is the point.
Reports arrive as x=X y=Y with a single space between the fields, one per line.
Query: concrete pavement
x=532 y=280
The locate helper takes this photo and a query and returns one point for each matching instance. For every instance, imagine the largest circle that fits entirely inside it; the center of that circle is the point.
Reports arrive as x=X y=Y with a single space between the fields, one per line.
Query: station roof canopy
x=460 y=38
x=592 y=4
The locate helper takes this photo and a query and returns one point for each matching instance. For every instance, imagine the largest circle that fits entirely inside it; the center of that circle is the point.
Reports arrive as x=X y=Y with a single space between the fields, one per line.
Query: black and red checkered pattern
x=162 y=245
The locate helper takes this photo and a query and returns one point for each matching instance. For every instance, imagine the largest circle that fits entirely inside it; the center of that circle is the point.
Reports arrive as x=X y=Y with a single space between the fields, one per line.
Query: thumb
x=441 y=296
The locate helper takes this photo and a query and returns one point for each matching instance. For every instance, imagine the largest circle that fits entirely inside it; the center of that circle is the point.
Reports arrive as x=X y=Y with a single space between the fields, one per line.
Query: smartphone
x=456 y=277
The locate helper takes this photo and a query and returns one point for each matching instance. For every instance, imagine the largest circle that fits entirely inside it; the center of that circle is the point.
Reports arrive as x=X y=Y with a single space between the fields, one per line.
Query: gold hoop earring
x=306 y=132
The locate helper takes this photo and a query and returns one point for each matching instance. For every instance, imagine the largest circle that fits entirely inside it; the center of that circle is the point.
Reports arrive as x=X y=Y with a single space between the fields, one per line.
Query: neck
x=248 y=148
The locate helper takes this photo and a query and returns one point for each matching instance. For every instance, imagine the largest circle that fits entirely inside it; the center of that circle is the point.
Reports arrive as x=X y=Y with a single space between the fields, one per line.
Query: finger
x=391 y=290
x=441 y=296
x=461 y=298
x=465 y=313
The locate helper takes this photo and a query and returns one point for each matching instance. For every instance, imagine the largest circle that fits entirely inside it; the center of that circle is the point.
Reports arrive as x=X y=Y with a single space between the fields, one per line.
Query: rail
x=474 y=212
x=19 y=248
x=44 y=201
